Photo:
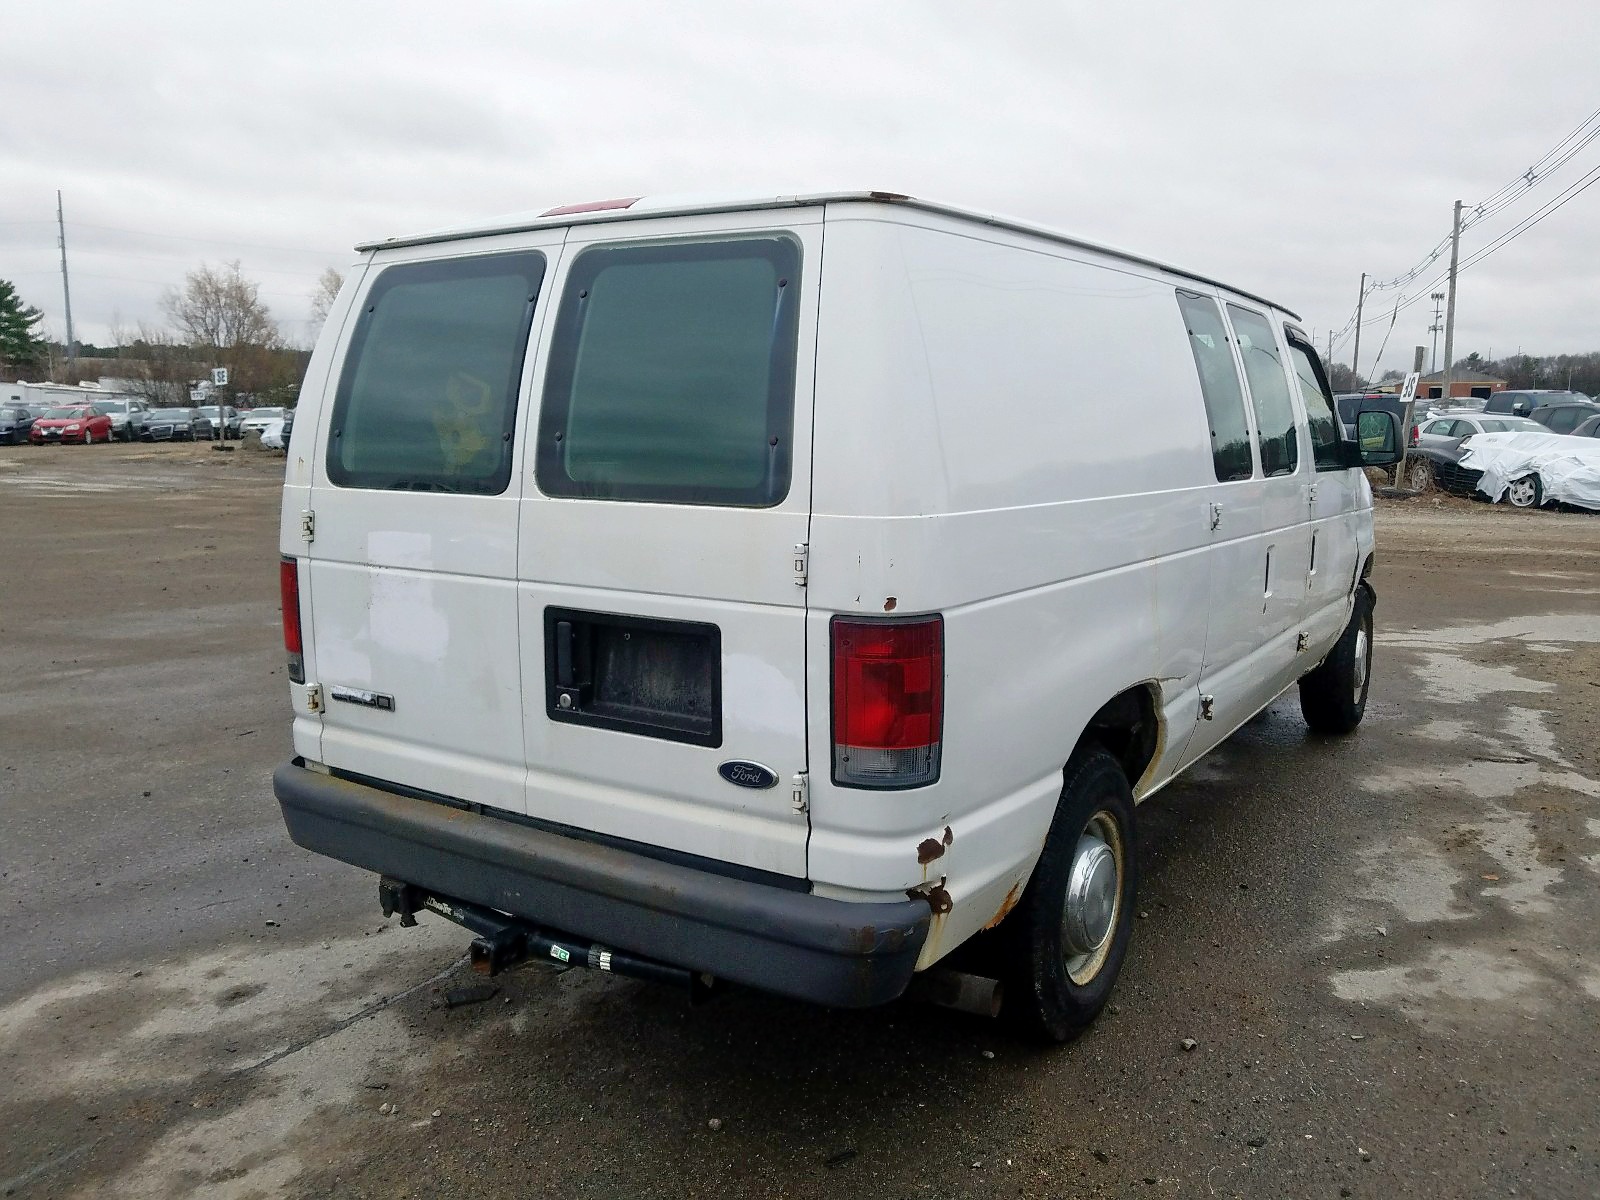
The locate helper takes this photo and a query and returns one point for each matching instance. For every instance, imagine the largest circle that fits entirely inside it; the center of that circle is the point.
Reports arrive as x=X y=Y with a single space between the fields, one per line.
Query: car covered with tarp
x=1532 y=469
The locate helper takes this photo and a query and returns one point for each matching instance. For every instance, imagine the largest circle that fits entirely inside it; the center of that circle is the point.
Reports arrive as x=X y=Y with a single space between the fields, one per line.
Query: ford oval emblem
x=748 y=774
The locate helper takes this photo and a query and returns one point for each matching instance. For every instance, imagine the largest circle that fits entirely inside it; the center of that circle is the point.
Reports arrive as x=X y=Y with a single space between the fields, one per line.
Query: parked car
x=172 y=425
x=1523 y=401
x=1564 y=416
x=1453 y=426
x=276 y=435
x=257 y=419
x=1589 y=428
x=127 y=417
x=232 y=418
x=15 y=424
x=71 y=423
x=1348 y=404
x=1528 y=470
x=1439 y=464
x=953 y=622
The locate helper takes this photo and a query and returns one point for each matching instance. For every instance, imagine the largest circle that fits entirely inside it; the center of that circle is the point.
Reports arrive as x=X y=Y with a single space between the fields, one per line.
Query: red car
x=71 y=423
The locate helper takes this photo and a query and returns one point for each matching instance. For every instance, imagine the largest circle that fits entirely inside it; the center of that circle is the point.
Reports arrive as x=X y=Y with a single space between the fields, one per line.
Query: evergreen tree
x=20 y=345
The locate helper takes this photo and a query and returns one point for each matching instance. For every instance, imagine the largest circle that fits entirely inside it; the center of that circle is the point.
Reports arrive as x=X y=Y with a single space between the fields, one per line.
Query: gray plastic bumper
x=826 y=951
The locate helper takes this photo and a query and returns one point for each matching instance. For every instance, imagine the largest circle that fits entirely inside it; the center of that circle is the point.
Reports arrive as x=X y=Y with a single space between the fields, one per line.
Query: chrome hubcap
x=1363 y=654
x=1520 y=493
x=1094 y=898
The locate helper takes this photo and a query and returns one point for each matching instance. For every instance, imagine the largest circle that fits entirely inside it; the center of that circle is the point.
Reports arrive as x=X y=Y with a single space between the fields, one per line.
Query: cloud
x=1283 y=148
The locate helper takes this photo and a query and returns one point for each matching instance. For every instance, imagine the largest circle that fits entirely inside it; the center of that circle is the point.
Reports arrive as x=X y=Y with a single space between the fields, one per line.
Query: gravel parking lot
x=1385 y=948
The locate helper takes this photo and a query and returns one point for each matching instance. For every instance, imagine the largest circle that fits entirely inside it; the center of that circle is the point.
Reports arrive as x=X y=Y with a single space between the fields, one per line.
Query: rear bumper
x=793 y=943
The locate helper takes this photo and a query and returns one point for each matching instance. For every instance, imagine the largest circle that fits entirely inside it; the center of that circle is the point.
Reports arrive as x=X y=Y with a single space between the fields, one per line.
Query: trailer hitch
x=504 y=942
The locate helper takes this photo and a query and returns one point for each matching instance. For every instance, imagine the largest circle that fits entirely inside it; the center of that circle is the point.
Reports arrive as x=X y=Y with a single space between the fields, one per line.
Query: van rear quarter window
x=1219 y=385
x=427 y=397
x=671 y=374
x=1269 y=388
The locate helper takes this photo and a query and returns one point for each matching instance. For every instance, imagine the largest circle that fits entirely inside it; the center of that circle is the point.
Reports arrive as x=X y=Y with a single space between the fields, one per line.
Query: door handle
x=1266 y=582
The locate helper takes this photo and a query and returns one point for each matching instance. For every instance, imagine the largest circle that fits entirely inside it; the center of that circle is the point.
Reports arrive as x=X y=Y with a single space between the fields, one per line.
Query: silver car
x=1448 y=428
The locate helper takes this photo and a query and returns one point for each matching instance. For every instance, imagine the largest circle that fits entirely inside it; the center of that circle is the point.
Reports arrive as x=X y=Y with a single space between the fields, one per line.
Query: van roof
x=640 y=207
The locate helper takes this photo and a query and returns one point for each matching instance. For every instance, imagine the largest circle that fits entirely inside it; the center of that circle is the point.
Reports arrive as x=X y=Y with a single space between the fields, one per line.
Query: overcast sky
x=1282 y=147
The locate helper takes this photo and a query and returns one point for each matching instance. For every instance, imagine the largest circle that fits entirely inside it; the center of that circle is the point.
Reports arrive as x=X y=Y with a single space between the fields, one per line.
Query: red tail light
x=1414 y=430
x=289 y=593
x=888 y=702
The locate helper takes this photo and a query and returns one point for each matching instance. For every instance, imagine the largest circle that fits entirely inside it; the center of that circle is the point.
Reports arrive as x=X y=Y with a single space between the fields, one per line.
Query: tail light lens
x=289 y=594
x=1415 y=430
x=888 y=702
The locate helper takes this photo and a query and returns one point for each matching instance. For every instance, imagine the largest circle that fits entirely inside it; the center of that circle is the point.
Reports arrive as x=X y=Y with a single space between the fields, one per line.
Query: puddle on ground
x=254 y=1041
x=1489 y=866
x=1445 y=985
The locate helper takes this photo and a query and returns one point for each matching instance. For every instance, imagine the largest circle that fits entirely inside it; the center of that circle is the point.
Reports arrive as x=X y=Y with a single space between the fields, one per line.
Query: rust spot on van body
x=1006 y=905
x=889 y=604
x=931 y=848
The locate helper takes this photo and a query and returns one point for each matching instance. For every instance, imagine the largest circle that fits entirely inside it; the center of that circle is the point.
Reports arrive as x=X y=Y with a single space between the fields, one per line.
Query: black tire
x=1519 y=496
x=1333 y=697
x=1046 y=998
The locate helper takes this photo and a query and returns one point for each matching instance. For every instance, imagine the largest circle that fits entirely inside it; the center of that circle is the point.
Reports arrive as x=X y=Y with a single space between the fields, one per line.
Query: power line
x=1583 y=184
x=1507 y=194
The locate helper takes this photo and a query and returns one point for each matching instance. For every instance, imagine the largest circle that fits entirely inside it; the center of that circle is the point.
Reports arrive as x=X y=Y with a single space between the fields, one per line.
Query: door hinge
x=800 y=793
x=1311 y=492
x=308 y=526
x=802 y=559
x=314 y=698
x=1216 y=515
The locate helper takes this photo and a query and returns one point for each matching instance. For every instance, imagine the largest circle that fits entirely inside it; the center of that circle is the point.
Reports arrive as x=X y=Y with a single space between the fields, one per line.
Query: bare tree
x=157 y=367
x=219 y=312
x=322 y=297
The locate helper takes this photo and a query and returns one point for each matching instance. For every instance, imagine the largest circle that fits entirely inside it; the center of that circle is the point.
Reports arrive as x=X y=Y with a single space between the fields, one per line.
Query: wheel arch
x=1129 y=725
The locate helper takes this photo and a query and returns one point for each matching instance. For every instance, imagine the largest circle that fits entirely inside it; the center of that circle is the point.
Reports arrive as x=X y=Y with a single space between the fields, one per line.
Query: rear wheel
x=1333 y=697
x=1064 y=944
x=1527 y=492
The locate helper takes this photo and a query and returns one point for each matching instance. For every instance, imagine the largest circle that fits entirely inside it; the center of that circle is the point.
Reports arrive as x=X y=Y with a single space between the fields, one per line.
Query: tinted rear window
x=427 y=398
x=1219 y=385
x=671 y=374
x=1269 y=389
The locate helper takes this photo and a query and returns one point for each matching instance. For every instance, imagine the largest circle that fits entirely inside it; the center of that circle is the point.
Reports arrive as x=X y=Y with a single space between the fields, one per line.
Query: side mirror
x=1377 y=438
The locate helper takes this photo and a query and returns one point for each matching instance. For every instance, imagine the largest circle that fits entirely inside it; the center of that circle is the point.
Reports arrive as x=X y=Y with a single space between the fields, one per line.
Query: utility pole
x=1327 y=362
x=1450 y=306
x=1438 y=324
x=1355 y=357
x=66 y=288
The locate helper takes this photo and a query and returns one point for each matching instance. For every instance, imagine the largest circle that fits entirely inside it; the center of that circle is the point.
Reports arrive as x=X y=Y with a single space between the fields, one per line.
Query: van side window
x=1219 y=384
x=1319 y=407
x=671 y=374
x=1269 y=389
x=427 y=398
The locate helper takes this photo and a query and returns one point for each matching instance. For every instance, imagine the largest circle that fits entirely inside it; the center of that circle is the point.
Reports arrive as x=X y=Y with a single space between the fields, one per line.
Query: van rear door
x=661 y=554
x=412 y=562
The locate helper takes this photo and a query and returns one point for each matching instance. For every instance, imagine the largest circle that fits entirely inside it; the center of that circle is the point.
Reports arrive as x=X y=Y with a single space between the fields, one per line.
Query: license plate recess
x=641 y=675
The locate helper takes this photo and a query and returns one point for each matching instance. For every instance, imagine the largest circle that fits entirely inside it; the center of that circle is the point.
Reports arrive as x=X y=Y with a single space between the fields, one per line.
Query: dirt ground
x=1386 y=947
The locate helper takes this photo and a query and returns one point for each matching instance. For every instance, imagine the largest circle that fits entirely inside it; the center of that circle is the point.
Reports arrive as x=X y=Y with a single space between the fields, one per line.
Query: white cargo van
x=783 y=591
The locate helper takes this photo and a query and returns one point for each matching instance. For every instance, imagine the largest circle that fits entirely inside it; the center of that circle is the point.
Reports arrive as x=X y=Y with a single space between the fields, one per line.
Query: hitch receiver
x=504 y=942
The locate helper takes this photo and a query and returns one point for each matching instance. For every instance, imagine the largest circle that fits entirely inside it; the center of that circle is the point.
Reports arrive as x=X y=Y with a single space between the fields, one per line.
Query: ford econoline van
x=790 y=591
